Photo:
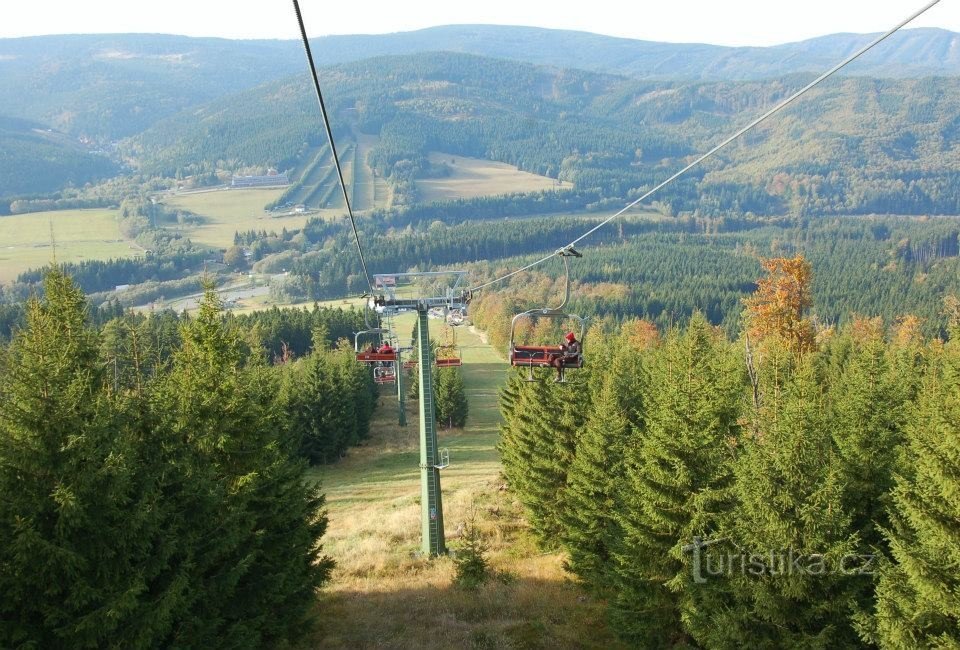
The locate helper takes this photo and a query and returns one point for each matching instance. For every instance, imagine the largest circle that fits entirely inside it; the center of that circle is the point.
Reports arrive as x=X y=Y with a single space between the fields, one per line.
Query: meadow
x=472 y=177
x=79 y=235
x=227 y=211
x=384 y=594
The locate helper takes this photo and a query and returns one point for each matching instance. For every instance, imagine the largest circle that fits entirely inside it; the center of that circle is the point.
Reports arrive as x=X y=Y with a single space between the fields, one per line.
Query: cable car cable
x=333 y=148
x=720 y=146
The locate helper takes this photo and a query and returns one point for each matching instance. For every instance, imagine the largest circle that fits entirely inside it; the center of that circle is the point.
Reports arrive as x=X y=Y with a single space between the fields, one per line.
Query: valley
x=198 y=449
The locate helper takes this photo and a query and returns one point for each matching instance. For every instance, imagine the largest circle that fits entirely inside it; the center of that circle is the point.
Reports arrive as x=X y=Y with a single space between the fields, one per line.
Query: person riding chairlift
x=571 y=350
x=386 y=348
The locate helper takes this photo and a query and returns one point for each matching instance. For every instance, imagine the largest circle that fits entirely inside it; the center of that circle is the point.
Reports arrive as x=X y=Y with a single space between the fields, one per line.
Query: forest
x=855 y=146
x=153 y=476
x=794 y=486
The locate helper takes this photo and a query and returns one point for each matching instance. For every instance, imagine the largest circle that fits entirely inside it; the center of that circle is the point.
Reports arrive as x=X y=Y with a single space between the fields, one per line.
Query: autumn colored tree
x=779 y=306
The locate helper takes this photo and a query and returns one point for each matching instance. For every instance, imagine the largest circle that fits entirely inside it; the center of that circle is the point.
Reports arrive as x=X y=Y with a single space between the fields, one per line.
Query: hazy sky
x=734 y=22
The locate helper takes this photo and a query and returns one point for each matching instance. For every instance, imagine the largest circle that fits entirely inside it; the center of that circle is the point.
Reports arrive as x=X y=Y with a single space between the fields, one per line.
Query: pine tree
x=82 y=530
x=917 y=592
x=591 y=529
x=679 y=476
x=451 y=402
x=780 y=578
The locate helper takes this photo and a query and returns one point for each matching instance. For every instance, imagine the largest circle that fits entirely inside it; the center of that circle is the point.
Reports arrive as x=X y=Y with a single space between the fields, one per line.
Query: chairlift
x=455 y=317
x=372 y=354
x=546 y=356
x=384 y=374
x=448 y=357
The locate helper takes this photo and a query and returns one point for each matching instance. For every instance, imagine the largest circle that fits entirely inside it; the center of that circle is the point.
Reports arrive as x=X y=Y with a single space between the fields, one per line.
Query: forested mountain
x=114 y=85
x=912 y=52
x=34 y=159
x=854 y=145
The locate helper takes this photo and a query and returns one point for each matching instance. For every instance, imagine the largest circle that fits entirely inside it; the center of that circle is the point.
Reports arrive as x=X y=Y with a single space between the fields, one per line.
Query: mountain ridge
x=111 y=86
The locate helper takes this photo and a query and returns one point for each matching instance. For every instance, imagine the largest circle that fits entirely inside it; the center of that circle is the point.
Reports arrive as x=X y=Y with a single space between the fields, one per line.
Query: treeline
x=152 y=492
x=864 y=266
x=658 y=268
x=793 y=488
x=105 y=275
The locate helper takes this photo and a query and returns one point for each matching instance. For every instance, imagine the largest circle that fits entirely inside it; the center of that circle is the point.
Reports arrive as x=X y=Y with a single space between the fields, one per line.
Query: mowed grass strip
x=79 y=234
x=384 y=594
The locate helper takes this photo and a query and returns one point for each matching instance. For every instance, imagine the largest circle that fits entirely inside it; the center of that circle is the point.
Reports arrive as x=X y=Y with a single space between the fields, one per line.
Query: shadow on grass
x=512 y=613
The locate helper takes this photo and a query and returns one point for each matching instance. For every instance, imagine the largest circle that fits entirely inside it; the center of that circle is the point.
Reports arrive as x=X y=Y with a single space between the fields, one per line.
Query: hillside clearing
x=79 y=235
x=384 y=595
x=226 y=212
x=472 y=177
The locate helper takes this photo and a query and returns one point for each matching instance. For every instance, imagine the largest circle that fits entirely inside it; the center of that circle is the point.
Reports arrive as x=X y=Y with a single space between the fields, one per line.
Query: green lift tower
x=422 y=293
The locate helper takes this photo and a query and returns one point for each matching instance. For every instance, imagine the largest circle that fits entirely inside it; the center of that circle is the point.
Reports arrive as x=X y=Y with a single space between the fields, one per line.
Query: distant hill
x=35 y=160
x=909 y=53
x=112 y=86
x=853 y=145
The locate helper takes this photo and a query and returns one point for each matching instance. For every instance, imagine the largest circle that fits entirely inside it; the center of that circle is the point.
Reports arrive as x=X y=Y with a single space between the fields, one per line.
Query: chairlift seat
x=374 y=357
x=384 y=375
x=543 y=356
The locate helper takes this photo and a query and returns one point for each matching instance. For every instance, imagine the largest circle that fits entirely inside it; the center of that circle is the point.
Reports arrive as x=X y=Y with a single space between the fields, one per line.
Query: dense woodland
x=651 y=266
x=794 y=487
x=152 y=485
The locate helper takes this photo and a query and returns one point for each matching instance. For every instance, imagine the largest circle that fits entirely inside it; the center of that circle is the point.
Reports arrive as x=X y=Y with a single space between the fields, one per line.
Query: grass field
x=79 y=235
x=383 y=595
x=472 y=177
x=228 y=211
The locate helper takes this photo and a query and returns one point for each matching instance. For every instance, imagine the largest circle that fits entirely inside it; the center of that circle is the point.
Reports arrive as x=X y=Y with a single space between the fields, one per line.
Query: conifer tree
x=81 y=531
x=917 y=591
x=317 y=408
x=537 y=445
x=451 y=402
x=251 y=524
x=869 y=396
x=679 y=475
x=782 y=578
x=591 y=529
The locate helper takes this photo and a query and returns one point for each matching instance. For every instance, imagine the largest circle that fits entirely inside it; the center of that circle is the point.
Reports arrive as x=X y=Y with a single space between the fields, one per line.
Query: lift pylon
x=421 y=292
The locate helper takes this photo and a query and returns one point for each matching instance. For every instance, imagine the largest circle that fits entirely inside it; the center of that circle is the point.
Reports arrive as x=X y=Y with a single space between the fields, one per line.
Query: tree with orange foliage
x=778 y=307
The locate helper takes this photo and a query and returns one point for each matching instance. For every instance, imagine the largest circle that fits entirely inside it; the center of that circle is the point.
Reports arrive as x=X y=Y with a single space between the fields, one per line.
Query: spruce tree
x=250 y=523
x=82 y=531
x=537 y=445
x=781 y=578
x=591 y=529
x=679 y=475
x=869 y=396
x=917 y=591
x=451 y=402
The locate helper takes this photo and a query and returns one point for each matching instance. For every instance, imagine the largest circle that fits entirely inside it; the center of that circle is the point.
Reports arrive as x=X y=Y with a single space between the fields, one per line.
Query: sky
x=730 y=22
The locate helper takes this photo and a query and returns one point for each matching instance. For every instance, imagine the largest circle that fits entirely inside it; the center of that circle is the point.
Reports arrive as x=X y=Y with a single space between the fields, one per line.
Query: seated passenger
x=571 y=352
